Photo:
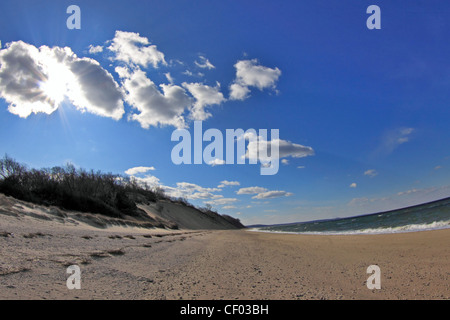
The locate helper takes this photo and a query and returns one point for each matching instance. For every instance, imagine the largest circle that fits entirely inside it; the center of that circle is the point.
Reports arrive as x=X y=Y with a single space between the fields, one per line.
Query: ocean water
x=428 y=216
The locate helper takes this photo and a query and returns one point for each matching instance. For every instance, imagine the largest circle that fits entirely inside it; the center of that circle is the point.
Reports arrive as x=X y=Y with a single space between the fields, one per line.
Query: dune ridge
x=163 y=214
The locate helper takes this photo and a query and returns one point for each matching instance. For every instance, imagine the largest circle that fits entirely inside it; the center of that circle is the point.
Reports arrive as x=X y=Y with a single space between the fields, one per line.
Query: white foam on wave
x=436 y=225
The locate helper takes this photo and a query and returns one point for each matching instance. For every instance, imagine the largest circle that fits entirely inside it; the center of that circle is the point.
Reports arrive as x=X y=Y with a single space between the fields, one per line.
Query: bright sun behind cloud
x=55 y=86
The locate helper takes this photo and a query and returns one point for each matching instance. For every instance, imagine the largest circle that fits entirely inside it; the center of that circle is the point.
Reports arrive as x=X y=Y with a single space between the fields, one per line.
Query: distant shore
x=134 y=263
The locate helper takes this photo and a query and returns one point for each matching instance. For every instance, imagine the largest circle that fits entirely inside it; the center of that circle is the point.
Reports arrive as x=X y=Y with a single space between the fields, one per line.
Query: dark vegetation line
x=86 y=191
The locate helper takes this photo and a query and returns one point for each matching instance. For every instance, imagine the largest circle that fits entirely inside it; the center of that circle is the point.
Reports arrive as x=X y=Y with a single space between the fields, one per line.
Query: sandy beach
x=135 y=263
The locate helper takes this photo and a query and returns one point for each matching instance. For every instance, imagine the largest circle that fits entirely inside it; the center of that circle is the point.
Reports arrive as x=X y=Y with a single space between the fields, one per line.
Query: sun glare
x=55 y=86
x=54 y=90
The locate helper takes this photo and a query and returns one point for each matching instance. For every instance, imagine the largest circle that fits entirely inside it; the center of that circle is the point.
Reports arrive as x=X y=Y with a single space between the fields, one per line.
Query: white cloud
x=95 y=49
x=259 y=147
x=222 y=201
x=392 y=139
x=204 y=63
x=204 y=96
x=285 y=161
x=371 y=173
x=148 y=180
x=201 y=195
x=172 y=62
x=250 y=74
x=169 y=77
x=216 y=162
x=194 y=187
x=133 y=49
x=263 y=193
x=353 y=185
x=143 y=180
x=239 y=92
x=251 y=190
x=34 y=80
x=137 y=170
x=403 y=135
x=228 y=183
x=192 y=191
x=301 y=167
x=295 y=150
x=97 y=92
x=272 y=194
x=229 y=207
x=173 y=192
x=158 y=108
x=154 y=107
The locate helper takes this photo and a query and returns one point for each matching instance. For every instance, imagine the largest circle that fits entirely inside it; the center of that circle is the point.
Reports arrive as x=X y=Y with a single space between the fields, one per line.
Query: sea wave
x=436 y=225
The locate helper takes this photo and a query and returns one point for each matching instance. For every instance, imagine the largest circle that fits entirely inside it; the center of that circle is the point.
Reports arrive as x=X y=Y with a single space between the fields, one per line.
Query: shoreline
x=348 y=233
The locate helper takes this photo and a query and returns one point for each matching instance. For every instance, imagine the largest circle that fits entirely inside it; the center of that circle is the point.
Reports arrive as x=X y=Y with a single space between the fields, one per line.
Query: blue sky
x=373 y=105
